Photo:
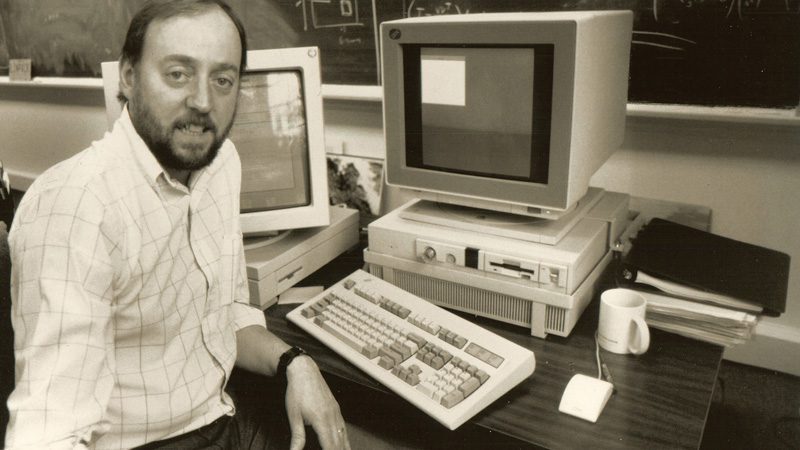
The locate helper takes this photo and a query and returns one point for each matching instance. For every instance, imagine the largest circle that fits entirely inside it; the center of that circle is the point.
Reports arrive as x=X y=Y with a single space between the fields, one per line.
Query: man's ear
x=127 y=78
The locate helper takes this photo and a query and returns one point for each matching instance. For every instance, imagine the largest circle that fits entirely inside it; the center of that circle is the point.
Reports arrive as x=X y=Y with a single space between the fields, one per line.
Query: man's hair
x=164 y=9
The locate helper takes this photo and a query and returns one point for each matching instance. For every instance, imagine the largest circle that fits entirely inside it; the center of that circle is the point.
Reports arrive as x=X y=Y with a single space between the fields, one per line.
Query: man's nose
x=200 y=97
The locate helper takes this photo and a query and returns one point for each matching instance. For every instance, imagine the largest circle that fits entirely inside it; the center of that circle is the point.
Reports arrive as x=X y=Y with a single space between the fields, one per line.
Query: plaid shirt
x=128 y=289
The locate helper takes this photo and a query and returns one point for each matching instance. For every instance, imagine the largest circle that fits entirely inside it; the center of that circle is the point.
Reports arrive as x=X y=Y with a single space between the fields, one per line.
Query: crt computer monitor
x=511 y=112
x=278 y=133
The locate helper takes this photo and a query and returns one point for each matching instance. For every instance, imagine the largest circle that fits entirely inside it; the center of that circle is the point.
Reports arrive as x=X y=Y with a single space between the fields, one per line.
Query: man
x=129 y=297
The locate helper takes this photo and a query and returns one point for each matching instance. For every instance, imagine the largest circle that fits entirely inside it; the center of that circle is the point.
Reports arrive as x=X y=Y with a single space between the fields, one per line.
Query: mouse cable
x=602 y=368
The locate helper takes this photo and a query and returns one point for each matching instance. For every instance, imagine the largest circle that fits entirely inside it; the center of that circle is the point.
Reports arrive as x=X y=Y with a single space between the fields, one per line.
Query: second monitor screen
x=269 y=131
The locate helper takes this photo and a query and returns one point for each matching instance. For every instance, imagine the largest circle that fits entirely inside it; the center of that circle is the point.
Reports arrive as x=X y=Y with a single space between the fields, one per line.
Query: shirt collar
x=149 y=165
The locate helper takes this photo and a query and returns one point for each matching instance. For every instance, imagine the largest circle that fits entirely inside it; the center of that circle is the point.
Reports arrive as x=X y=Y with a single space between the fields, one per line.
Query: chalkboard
x=699 y=52
x=72 y=37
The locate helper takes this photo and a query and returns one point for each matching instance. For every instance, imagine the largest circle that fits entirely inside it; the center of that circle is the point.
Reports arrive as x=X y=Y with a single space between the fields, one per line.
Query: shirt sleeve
x=62 y=282
x=244 y=314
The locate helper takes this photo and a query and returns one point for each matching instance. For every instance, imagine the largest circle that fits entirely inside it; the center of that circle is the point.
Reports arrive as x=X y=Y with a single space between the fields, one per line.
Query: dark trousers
x=259 y=423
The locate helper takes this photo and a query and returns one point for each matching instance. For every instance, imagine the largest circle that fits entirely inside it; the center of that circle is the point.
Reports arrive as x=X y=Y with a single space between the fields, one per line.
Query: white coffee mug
x=622 y=328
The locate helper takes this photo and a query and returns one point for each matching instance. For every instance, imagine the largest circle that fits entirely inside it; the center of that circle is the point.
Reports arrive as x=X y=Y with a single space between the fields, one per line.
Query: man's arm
x=308 y=398
x=62 y=277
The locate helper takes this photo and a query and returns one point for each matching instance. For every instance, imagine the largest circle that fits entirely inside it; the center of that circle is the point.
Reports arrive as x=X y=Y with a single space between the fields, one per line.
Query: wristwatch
x=286 y=359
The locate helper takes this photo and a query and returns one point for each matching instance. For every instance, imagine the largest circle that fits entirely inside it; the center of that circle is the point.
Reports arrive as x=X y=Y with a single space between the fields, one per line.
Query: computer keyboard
x=445 y=365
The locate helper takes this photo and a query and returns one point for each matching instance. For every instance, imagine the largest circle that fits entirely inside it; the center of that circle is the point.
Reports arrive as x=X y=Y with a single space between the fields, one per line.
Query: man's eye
x=224 y=82
x=176 y=75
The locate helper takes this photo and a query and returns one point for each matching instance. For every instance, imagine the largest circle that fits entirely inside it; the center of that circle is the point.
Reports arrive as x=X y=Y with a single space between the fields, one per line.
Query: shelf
x=340 y=92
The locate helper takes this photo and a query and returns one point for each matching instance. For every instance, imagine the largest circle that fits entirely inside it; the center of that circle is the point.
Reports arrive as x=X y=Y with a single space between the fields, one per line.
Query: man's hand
x=310 y=401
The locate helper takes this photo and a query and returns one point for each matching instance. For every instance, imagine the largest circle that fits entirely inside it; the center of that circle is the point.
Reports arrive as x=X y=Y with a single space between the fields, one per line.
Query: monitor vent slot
x=556 y=319
x=444 y=293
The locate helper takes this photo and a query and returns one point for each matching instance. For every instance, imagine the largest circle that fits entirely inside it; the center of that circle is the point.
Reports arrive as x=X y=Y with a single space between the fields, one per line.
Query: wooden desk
x=662 y=397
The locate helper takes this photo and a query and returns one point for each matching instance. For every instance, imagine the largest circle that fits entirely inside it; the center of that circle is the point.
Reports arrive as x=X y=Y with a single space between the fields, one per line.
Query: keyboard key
x=417 y=339
x=484 y=355
x=452 y=338
x=452 y=399
x=366 y=295
x=387 y=351
x=370 y=351
x=336 y=330
x=386 y=362
x=426 y=388
x=469 y=386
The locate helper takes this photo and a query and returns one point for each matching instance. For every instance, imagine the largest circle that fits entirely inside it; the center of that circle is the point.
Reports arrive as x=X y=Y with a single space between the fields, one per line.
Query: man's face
x=182 y=94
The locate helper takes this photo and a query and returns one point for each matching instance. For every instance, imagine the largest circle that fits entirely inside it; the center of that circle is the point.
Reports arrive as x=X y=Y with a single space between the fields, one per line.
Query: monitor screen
x=460 y=120
x=269 y=132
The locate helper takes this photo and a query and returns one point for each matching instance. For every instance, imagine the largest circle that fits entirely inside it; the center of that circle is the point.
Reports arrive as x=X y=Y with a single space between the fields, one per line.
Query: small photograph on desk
x=356 y=182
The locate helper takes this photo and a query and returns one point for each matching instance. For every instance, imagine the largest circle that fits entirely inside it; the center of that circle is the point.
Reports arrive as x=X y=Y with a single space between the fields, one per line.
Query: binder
x=718 y=268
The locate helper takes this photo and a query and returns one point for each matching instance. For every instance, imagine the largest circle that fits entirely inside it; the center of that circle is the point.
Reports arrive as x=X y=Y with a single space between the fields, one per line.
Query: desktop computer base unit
x=489 y=295
x=538 y=285
x=276 y=266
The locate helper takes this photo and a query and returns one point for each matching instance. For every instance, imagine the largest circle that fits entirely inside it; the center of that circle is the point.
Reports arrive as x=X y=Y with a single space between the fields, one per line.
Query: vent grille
x=556 y=319
x=506 y=308
x=377 y=270
x=485 y=303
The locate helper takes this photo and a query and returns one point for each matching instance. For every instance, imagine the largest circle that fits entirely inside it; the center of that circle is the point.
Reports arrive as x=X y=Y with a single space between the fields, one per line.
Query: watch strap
x=286 y=358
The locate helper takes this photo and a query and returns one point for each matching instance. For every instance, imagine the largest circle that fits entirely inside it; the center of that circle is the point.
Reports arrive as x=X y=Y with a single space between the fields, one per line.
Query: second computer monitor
x=278 y=132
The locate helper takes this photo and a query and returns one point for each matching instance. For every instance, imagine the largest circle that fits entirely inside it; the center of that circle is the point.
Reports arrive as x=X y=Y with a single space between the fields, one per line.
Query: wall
x=749 y=175
x=42 y=125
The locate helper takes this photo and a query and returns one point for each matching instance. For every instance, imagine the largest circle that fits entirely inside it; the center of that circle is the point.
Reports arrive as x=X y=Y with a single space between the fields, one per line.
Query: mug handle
x=644 y=336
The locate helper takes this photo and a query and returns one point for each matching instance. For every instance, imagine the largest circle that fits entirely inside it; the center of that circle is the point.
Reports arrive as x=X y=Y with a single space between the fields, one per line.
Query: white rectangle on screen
x=443 y=79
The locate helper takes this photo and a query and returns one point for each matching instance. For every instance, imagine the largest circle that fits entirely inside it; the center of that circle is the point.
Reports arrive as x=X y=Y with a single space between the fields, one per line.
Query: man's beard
x=159 y=138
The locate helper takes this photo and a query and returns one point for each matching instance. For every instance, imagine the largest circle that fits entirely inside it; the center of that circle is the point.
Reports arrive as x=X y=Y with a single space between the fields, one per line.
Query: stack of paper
x=716 y=324
x=706 y=286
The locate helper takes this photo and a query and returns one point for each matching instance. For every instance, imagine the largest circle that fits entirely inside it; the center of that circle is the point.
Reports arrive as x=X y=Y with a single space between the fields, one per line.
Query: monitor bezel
x=558 y=32
x=316 y=213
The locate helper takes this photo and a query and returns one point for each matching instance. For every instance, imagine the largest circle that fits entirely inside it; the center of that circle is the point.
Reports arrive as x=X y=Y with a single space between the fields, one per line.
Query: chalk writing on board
x=344 y=30
x=328 y=14
x=419 y=9
x=673 y=42
x=732 y=8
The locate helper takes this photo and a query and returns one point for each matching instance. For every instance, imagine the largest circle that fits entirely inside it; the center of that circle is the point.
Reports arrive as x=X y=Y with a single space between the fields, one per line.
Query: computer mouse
x=585 y=397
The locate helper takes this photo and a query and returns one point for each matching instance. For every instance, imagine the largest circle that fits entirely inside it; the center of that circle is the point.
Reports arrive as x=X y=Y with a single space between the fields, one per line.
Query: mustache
x=196 y=119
